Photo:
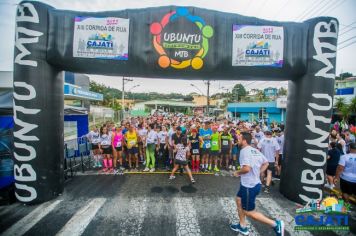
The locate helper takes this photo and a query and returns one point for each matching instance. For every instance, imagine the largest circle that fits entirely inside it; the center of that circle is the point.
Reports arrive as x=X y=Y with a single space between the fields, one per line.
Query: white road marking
x=277 y=212
x=78 y=223
x=229 y=207
x=26 y=223
x=187 y=220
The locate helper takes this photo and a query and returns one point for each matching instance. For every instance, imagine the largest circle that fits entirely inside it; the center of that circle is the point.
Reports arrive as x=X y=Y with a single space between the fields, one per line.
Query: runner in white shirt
x=258 y=133
x=280 y=141
x=253 y=163
x=151 y=146
x=270 y=148
x=106 y=149
x=94 y=138
x=346 y=171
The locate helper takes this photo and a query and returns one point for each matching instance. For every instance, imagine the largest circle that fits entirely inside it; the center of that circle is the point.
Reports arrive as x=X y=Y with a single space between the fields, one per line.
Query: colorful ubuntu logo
x=181 y=39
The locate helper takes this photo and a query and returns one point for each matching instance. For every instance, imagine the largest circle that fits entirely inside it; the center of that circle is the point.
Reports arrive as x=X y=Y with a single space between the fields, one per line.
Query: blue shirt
x=204 y=133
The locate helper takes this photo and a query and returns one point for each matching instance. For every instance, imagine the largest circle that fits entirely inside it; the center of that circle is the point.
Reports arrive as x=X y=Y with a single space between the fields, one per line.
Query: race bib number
x=207 y=145
x=225 y=142
x=195 y=151
x=214 y=143
x=118 y=144
x=133 y=142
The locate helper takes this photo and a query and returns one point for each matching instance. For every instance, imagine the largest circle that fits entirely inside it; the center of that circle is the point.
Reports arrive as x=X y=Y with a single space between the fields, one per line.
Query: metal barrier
x=77 y=155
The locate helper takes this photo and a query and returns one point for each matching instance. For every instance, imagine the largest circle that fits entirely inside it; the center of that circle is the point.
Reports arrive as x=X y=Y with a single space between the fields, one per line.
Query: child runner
x=106 y=149
x=181 y=151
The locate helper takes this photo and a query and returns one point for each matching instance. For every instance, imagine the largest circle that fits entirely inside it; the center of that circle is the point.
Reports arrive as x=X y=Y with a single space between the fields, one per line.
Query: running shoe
x=279 y=229
x=327 y=185
x=238 y=228
x=99 y=165
x=146 y=169
x=266 y=189
x=192 y=180
x=216 y=169
x=144 y=163
x=152 y=170
x=172 y=177
x=105 y=169
x=209 y=168
x=238 y=167
x=230 y=167
x=233 y=168
x=116 y=171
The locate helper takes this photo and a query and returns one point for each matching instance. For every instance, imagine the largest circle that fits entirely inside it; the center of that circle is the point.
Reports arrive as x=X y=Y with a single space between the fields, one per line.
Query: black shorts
x=331 y=170
x=94 y=146
x=180 y=162
x=107 y=149
x=205 y=151
x=133 y=150
x=119 y=149
x=280 y=159
x=225 y=151
x=195 y=152
x=347 y=187
x=271 y=167
x=214 y=153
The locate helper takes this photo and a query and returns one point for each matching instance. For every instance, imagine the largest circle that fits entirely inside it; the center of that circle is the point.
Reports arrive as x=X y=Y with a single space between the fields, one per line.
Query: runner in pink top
x=117 y=140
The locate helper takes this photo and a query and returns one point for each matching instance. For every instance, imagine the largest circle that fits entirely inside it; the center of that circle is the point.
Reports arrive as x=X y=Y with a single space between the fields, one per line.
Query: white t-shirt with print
x=269 y=147
x=349 y=162
x=253 y=158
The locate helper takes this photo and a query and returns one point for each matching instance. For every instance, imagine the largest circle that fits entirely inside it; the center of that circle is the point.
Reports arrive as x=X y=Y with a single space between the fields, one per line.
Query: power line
x=345 y=32
x=346 y=40
x=315 y=11
x=347 y=26
x=336 y=6
x=331 y=6
x=348 y=45
x=309 y=8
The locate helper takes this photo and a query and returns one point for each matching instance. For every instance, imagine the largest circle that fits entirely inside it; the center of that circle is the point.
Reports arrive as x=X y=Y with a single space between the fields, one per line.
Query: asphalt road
x=146 y=204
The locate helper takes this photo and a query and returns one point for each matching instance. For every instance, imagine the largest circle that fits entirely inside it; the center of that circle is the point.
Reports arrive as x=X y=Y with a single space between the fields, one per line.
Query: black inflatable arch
x=169 y=42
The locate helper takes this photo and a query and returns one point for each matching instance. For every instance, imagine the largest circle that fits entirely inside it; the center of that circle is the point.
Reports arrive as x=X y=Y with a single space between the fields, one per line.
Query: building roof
x=168 y=102
x=253 y=104
x=253 y=107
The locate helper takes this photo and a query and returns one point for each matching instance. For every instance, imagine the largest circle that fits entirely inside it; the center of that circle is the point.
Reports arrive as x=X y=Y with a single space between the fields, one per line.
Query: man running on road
x=253 y=163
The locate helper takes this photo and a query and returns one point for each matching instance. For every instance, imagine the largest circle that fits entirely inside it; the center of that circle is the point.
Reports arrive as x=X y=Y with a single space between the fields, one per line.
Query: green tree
x=340 y=103
x=238 y=92
x=352 y=105
x=282 y=92
x=343 y=76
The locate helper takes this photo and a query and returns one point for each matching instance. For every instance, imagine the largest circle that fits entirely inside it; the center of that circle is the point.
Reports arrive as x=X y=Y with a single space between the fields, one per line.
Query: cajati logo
x=181 y=40
x=328 y=214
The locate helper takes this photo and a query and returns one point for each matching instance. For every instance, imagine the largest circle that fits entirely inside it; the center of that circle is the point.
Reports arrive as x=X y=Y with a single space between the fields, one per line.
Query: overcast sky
x=279 y=10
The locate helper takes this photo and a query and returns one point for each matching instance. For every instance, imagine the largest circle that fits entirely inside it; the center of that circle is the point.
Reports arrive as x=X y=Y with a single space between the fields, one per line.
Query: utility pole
x=208 y=98
x=123 y=95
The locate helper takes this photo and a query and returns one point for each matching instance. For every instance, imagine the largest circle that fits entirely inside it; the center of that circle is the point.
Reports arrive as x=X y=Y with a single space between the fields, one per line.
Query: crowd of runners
x=172 y=142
